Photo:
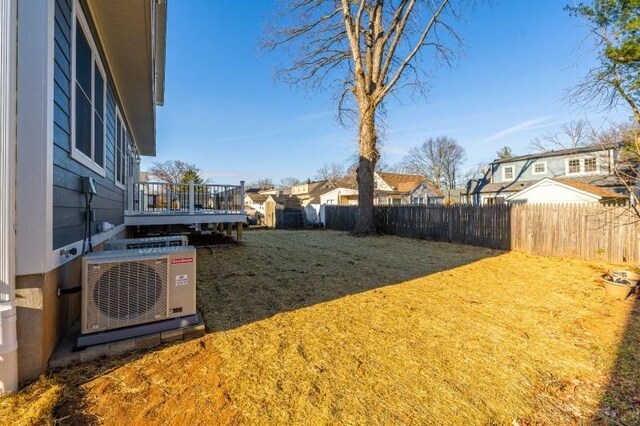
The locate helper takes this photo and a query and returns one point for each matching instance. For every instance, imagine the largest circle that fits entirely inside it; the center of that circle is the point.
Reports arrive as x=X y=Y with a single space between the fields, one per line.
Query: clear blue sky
x=225 y=113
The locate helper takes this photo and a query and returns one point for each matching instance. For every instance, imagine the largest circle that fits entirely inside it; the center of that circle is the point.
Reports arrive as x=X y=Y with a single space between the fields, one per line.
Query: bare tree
x=330 y=172
x=175 y=171
x=367 y=49
x=288 y=182
x=475 y=172
x=437 y=159
x=571 y=135
x=264 y=183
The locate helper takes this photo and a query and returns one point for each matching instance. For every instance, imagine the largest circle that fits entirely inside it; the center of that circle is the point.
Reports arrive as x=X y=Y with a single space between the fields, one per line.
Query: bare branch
x=413 y=53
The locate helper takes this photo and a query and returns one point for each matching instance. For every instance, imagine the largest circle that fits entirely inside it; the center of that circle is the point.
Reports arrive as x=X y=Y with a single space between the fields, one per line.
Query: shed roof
x=590 y=188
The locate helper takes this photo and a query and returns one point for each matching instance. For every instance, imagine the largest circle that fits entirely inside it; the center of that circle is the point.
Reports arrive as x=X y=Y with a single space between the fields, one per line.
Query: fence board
x=583 y=231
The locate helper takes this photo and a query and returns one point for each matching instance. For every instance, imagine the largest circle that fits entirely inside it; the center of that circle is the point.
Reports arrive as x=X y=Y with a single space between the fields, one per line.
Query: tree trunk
x=368 y=154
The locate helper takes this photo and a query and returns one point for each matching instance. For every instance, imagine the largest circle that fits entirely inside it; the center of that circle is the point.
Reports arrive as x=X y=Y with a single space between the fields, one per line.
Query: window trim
x=513 y=172
x=96 y=62
x=533 y=170
x=120 y=185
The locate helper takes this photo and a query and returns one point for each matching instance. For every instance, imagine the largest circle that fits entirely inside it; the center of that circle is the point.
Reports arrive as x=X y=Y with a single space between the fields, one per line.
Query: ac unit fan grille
x=127 y=293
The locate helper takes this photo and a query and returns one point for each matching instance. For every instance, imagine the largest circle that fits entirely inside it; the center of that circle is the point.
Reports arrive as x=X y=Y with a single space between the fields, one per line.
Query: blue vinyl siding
x=68 y=200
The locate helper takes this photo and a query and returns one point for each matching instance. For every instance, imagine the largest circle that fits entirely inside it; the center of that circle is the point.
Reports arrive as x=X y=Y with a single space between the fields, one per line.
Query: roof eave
x=132 y=34
x=160 y=49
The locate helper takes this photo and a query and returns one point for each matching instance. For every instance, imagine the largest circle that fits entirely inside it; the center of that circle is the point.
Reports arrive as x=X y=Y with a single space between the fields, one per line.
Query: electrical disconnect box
x=88 y=185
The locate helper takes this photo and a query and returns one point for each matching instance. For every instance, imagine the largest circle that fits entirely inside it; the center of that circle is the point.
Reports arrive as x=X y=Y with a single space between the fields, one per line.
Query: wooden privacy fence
x=582 y=231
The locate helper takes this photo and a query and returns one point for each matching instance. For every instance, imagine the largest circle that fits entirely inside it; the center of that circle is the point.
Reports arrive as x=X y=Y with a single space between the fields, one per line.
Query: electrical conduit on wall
x=8 y=335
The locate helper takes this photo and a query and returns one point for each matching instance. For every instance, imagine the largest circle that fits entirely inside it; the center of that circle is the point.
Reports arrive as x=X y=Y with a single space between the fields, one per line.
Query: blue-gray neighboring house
x=592 y=167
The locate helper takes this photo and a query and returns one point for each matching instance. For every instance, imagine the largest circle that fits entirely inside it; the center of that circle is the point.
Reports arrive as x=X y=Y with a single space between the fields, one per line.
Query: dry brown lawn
x=322 y=328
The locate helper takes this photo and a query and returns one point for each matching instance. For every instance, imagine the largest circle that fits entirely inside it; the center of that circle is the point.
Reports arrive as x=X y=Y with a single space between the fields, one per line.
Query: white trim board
x=34 y=163
x=61 y=256
x=183 y=219
x=7 y=151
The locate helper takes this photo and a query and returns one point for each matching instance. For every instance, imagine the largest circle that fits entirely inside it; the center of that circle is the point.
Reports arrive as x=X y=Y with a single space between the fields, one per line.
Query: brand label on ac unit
x=182 y=280
x=182 y=260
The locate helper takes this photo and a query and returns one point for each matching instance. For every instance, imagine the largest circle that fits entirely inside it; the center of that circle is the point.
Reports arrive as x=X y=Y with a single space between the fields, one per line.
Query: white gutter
x=8 y=335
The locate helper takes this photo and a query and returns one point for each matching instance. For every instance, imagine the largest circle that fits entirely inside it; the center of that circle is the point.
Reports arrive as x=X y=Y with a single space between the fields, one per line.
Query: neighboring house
x=255 y=200
x=565 y=191
x=400 y=188
x=591 y=165
x=389 y=188
x=425 y=193
x=309 y=192
x=341 y=196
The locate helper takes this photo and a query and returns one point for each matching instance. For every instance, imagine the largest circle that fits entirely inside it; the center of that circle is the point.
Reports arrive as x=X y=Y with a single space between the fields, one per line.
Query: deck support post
x=239 y=231
x=229 y=229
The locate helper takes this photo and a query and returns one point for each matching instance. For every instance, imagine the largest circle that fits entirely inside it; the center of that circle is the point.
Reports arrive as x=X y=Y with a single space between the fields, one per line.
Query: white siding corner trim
x=8 y=335
x=34 y=173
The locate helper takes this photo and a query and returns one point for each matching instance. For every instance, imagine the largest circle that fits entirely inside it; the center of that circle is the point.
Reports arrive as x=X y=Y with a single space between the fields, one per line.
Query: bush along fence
x=582 y=231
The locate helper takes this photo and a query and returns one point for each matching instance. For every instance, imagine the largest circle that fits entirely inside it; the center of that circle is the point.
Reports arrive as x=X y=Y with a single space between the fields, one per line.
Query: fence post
x=192 y=196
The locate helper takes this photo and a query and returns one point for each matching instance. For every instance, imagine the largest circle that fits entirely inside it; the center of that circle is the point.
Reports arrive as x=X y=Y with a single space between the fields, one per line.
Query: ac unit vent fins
x=127 y=293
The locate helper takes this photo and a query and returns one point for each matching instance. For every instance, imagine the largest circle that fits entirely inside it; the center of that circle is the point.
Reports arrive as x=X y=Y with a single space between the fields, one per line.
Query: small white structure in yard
x=565 y=191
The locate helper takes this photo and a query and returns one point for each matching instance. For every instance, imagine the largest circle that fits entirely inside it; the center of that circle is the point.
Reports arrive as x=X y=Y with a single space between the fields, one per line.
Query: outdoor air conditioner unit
x=128 y=293
x=148 y=242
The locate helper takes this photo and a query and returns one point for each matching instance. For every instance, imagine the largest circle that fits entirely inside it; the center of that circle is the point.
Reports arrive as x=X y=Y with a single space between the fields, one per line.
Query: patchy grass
x=318 y=327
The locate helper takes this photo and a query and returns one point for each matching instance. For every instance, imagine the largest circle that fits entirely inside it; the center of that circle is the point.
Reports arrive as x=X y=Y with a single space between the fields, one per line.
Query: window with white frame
x=88 y=107
x=508 y=172
x=539 y=168
x=573 y=166
x=590 y=165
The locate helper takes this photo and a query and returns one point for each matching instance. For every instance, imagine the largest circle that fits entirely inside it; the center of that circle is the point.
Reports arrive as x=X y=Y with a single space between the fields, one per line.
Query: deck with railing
x=160 y=203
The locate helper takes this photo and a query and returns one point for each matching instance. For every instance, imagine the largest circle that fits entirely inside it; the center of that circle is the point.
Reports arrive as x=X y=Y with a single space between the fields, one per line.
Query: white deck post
x=8 y=334
x=130 y=187
x=192 y=203
x=242 y=196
